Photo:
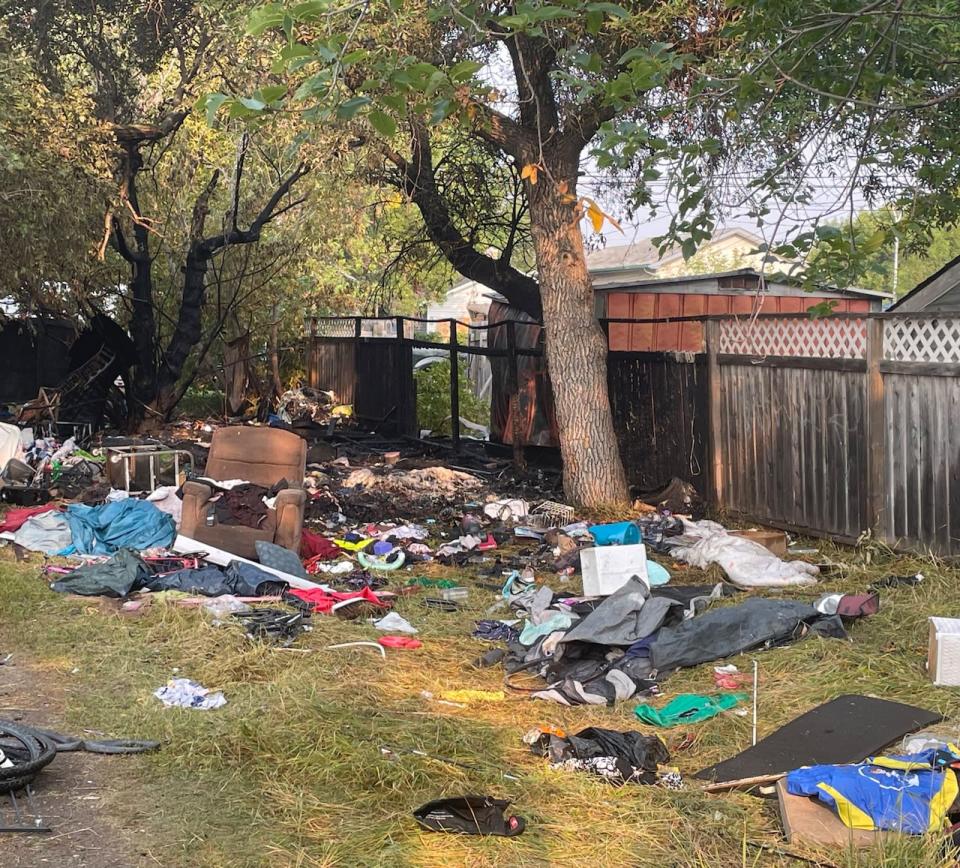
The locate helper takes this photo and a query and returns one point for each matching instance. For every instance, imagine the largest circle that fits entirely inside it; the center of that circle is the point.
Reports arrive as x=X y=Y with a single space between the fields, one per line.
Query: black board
x=845 y=730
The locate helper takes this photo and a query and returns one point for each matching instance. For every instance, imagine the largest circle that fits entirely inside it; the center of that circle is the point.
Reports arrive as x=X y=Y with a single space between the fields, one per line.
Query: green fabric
x=688 y=708
x=424 y=582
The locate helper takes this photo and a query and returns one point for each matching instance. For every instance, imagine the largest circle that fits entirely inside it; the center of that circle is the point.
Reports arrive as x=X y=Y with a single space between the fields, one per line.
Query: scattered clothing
x=618 y=757
x=469 y=815
x=184 y=693
x=496 y=631
x=688 y=708
x=910 y=794
x=48 y=532
x=628 y=614
x=124 y=573
x=133 y=524
x=13 y=519
x=324 y=601
x=314 y=545
x=403 y=642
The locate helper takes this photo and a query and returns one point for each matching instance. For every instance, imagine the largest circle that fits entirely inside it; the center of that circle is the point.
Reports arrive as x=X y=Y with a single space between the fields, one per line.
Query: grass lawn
x=291 y=772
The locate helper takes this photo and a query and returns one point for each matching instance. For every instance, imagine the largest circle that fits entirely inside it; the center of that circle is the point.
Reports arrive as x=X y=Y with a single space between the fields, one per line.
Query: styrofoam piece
x=184 y=545
x=943 y=656
x=608 y=568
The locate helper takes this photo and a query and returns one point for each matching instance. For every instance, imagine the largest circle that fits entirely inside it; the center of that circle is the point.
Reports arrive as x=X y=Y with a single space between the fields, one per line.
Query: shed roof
x=940 y=291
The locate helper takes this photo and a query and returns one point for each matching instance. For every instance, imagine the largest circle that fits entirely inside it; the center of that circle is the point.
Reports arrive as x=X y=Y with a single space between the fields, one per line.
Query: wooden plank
x=921 y=369
x=814 y=364
x=876 y=426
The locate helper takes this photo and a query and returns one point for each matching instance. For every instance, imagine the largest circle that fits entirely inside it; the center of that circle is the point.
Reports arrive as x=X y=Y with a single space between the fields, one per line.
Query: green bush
x=433 y=399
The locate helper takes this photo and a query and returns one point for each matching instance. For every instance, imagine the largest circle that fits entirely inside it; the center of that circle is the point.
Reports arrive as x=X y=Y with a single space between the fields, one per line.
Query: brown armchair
x=263 y=456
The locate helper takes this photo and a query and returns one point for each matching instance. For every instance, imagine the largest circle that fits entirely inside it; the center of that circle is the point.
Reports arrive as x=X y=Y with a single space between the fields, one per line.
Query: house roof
x=727 y=280
x=644 y=253
x=940 y=289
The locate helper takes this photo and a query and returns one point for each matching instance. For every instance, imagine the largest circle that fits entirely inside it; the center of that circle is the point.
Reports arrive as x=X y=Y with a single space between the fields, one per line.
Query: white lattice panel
x=825 y=338
x=921 y=340
x=341 y=327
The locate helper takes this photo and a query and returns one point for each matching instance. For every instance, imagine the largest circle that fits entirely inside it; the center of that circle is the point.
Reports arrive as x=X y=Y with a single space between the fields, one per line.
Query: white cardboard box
x=606 y=569
x=943 y=656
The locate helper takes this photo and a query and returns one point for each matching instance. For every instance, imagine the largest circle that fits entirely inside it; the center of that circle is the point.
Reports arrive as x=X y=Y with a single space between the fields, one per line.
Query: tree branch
x=420 y=184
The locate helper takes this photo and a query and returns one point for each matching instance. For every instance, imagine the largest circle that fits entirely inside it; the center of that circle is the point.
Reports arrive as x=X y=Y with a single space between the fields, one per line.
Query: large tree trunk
x=187 y=332
x=576 y=347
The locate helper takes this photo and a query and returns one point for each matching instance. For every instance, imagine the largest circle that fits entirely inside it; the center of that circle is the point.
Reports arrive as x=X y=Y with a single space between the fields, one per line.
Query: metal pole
x=454 y=388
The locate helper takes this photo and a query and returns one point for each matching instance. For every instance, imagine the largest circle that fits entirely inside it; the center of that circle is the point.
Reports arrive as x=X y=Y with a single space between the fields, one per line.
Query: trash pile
x=573 y=613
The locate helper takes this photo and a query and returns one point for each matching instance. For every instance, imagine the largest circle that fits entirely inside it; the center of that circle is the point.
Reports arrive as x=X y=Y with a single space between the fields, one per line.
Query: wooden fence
x=840 y=425
x=834 y=426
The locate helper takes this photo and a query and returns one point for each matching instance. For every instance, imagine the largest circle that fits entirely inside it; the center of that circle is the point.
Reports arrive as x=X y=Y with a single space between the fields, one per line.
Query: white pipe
x=184 y=545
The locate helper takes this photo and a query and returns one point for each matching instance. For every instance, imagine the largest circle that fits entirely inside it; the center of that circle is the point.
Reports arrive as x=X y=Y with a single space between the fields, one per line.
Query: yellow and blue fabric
x=910 y=794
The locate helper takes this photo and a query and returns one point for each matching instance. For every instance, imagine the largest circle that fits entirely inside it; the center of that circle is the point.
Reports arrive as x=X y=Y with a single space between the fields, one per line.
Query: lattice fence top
x=824 y=338
x=921 y=340
x=345 y=327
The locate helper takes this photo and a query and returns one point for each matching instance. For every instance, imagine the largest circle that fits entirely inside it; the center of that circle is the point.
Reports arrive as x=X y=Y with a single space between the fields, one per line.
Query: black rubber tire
x=37 y=751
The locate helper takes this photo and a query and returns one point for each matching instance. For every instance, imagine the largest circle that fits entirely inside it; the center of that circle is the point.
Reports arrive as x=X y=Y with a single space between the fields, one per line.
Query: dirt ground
x=76 y=795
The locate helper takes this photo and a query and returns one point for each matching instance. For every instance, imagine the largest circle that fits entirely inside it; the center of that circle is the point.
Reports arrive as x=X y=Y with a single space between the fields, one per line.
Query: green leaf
x=310 y=10
x=441 y=109
x=435 y=82
x=383 y=123
x=464 y=70
x=271 y=93
x=264 y=18
x=348 y=110
x=610 y=9
x=874 y=242
x=393 y=101
x=252 y=103
x=211 y=103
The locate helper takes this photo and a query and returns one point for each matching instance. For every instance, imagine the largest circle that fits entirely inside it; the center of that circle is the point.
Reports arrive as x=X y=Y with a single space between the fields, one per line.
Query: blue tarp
x=132 y=524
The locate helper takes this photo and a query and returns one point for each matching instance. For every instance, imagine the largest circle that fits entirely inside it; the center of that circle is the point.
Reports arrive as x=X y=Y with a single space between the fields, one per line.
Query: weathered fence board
x=792 y=445
x=332 y=367
x=659 y=403
x=385 y=391
x=923 y=462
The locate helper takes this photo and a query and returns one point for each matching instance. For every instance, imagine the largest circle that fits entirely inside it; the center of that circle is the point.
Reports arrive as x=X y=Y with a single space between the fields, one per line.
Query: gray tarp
x=723 y=632
x=627 y=615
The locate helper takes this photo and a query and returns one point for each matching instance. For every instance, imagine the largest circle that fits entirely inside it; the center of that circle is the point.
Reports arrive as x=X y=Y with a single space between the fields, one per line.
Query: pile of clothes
x=602 y=651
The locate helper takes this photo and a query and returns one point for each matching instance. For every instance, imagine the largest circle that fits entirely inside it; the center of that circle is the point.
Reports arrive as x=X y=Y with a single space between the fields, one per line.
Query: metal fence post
x=454 y=388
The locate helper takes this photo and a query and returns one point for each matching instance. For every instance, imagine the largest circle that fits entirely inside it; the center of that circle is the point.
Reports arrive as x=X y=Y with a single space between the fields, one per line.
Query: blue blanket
x=132 y=524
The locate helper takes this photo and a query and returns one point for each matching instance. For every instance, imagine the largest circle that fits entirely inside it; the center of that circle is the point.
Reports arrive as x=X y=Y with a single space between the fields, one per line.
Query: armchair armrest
x=290 y=505
x=195 y=497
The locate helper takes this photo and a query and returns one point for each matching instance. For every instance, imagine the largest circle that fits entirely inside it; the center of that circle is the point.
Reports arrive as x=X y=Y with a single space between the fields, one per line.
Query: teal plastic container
x=621 y=533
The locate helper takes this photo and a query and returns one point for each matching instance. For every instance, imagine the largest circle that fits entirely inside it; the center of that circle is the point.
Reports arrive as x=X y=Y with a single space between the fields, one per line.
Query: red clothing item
x=14 y=518
x=323 y=601
x=313 y=545
x=400 y=642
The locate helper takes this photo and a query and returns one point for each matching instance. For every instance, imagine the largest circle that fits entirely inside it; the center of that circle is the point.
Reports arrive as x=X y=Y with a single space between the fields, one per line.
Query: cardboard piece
x=808 y=821
x=774 y=541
